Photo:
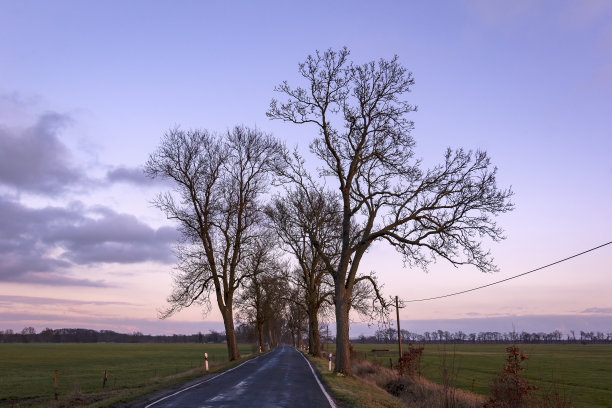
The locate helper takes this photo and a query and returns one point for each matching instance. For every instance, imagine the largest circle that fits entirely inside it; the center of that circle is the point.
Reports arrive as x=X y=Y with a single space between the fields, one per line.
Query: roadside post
x=105 y=378
x=55 y=384
x=330 y=356
x=399 y=334
x=206 y=361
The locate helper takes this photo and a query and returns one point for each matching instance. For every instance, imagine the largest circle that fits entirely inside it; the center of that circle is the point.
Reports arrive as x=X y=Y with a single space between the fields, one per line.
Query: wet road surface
x=280 y=378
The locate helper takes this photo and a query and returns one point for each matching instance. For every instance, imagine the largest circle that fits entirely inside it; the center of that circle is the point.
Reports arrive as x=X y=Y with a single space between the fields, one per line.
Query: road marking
x=233 y=392
x=329 y=399
x=201 y=382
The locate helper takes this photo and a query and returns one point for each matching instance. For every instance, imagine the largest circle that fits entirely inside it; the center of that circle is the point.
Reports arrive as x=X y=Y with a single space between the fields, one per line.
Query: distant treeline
x=245 y=334
x=389 y=335
x=29 y=335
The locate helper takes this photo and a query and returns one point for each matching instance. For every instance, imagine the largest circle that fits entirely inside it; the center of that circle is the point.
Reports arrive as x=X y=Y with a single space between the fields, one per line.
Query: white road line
x=332 y=404
x=200 y=383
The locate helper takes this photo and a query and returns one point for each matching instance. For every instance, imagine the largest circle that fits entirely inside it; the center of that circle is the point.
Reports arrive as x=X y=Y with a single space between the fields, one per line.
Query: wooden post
x=55 y=384
x=105 y=378
x=399 y=333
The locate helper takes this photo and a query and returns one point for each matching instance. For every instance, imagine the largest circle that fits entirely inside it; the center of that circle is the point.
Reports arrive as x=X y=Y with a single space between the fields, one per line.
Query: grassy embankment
x=583 y=372
x=26 y=377
x=353 y=392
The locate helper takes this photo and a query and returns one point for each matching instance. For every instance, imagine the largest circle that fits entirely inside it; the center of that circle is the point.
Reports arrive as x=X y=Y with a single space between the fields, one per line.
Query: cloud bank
x=39 y=241
x=43 y=244
x=35 y=160
x=133 y=175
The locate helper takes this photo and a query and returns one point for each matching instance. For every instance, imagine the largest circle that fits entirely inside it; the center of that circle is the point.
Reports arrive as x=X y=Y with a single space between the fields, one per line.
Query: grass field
x=583 y=371
x=27 y=370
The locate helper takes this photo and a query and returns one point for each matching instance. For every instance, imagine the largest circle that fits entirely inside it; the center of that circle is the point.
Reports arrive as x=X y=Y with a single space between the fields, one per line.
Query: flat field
x=583 y=372
x=27 y=370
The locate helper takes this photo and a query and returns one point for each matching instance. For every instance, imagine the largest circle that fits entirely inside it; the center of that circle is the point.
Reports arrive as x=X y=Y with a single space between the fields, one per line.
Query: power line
x=512 y=277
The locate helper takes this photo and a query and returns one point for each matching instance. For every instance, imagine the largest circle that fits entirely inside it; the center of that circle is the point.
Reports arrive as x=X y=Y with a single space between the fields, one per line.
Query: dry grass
x=352 y=391
x=415 y=392
x=373 y=386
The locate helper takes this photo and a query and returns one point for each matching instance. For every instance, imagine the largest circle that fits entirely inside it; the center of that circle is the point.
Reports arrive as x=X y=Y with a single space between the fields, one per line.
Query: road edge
x=201 y=382
x=151 y=398
x=331 y=401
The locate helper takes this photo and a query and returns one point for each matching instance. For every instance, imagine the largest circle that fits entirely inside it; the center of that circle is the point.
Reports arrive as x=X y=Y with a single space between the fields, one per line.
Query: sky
x=87 y=89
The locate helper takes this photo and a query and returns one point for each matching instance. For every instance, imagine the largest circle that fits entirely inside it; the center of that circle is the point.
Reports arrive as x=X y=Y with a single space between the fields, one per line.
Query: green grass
x=27 y=370
x=583 y=371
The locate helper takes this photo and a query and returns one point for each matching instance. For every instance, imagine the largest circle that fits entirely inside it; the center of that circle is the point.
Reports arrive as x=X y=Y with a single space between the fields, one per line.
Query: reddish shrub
x=410 y=362
x=510 y=390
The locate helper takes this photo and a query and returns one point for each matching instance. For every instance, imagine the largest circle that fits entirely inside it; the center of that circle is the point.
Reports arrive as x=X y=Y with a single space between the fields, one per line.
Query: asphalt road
x=280 y=378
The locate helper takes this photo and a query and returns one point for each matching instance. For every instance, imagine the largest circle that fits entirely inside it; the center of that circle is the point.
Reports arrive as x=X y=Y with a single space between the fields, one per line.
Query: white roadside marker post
x=330 y=356
x=206 y=361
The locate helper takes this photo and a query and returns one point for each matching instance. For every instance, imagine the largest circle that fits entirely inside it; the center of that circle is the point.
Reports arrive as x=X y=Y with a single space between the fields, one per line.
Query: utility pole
x=399 y=333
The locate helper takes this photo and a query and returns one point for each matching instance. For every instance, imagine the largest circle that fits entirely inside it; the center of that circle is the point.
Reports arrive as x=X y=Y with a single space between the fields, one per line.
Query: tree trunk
x=343 y=357
x=260 y=335
x=314 y=338
x=299 y=336
x=230 y=334
x=270 y=338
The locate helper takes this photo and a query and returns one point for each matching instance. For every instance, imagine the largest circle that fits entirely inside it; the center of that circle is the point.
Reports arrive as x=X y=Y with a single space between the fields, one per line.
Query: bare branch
x=365 y=144
x=217 y=183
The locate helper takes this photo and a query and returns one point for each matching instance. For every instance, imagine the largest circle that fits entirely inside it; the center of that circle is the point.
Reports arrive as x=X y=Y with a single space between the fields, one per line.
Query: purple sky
x=88 y=88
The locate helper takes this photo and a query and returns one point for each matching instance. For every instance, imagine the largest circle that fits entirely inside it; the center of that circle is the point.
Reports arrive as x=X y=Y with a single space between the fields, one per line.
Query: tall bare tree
x=274 y=291
x=217 y=181
x=295 y=217
x=308 y=221
x=364 y=141
x=260 y=267
x=297 y=318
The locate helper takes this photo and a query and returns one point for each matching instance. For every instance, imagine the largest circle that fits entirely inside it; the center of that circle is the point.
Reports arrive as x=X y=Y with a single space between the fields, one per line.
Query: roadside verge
x=352 y=391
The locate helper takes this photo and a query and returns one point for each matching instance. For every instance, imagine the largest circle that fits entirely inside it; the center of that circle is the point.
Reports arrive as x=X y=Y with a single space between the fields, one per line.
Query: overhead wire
x=512 y=277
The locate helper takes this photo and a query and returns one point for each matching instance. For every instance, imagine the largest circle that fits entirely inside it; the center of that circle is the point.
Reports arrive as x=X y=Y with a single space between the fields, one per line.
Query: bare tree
x=260 y=265
x=217 y=183
x=364 y=141
x=295 y=217
x=297 y=318
x=308 y=221
x=275 y=307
